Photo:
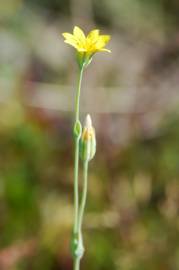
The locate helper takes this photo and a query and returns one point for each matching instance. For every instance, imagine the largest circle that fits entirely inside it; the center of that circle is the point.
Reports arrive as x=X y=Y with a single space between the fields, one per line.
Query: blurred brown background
x=132 y=220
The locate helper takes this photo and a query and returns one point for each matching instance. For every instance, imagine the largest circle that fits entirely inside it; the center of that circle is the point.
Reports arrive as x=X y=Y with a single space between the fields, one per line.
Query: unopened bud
x=88 y=141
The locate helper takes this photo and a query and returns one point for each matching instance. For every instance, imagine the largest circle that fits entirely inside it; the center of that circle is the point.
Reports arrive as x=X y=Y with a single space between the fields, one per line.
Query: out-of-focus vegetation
x=132 y=220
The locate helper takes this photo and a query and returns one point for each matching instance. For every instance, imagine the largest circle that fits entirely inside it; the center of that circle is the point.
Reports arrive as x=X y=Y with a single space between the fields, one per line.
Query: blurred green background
x=132 y=215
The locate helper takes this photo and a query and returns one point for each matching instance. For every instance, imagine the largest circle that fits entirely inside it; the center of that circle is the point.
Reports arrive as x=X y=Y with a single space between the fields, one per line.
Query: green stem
x=76 y=162
x=76 y=265
x=81 y=214
x=77 y=101
x=76 y=196
x=84 y=196
x=76 y=169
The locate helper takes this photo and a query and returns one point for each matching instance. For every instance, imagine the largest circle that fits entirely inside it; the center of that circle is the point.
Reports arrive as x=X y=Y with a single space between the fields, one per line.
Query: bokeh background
x=132 y=215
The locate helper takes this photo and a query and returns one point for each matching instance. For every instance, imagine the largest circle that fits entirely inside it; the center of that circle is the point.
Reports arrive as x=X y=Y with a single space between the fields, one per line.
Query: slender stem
x=76 y=162
x=76 y=195
x=76 y=262
x=76 y=265
x=84 y=195
x=81 y=212
x=77 y=101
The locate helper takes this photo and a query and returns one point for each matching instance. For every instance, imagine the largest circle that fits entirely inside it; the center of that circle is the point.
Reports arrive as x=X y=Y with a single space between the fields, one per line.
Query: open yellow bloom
x=90 y=44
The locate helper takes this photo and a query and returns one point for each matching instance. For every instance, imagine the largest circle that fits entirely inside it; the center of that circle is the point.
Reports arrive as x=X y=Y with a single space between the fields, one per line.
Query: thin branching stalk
x=81 y=210
x=84 y=195
x=76 y=173
x=76 y=264
x=76 y=161
x=77 y=101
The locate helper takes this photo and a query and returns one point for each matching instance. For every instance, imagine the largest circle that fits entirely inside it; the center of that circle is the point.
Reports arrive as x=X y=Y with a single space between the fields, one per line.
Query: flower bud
x=87 y=141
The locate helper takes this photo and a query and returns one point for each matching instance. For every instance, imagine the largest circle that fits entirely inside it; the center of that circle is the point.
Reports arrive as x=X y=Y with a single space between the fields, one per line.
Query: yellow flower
x=86 y=46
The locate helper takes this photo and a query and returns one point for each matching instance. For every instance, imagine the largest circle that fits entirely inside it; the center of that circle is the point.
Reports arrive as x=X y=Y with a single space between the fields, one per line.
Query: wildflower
x=86 y=46
x=88 y=141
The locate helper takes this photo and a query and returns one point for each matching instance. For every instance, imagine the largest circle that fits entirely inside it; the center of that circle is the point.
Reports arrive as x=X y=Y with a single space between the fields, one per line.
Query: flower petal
x=79 y=34
x=70 y=39
x=104 y=50
x=68 y=36
x=105 y=38
x=75 y=45
x=102 y=41
x=71 y=43
x=93 y=35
